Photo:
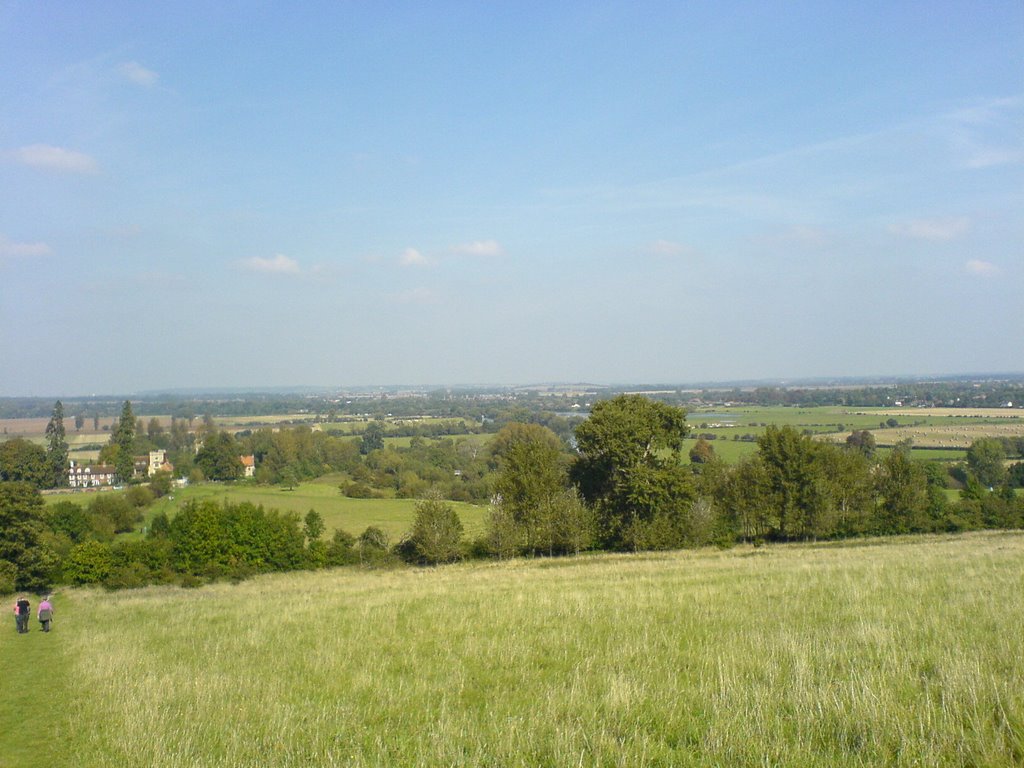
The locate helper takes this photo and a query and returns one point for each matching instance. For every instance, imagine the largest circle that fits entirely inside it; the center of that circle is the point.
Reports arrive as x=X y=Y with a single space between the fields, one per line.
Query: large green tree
x=797 y=482
x=57 y=448
x=903 y=499
x=123 y=438
x=629 y=468
x=23 y=461
x=219 y=458
x=531 y=478
x=985 y=459
x=22 y=526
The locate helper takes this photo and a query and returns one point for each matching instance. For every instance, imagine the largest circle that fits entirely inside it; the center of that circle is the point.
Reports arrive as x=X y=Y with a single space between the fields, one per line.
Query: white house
x=90 y=475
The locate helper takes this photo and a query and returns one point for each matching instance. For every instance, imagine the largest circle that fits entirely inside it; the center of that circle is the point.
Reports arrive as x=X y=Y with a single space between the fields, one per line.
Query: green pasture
x=395 y=516
x=902 y=652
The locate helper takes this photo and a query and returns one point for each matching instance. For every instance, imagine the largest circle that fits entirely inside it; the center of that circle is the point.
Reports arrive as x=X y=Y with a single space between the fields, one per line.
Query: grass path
x=35 y=694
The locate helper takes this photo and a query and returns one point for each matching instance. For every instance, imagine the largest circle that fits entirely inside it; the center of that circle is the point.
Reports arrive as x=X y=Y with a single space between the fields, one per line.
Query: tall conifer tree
x=57 y=448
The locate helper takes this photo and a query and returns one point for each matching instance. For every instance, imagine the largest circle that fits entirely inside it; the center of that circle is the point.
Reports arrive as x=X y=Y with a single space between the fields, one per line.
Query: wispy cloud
x=11 y=249
x=479 y=248
x=936 y=230
x=981 y=268
x=418 y=295
x=413 y=258
x=58 y=159
x=279 y=265
x=667 y=249
x=138 y=74
x=988 y=134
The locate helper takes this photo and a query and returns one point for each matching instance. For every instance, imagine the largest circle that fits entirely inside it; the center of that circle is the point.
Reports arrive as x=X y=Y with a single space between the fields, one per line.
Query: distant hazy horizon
x=205 y=194
x=398 y=387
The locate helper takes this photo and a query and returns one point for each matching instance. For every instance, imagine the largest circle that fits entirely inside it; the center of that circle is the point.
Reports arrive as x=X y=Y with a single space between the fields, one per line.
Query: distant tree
x=796 y=482
x=863 y=441
x=1015 y=475
x=123 y=437
x=372 y=545
x=340 y=550
x=23 y=461
x=903 y=494
x=117 y=510
x=70 y=519
x=629 y=467
x=57 y=448
x=702 y=452
x=220 y=457
x=314 y=525
x=985 y=459
x=289 y=477
x=531 y=477
x=96 y=422
x=373 y=437
x=160 y=483
x=848 y=474
x=79 y=422
x=154 y=431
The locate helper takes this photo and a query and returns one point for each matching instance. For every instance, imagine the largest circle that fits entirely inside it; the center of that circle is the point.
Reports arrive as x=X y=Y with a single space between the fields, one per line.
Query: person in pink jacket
x=45 y=614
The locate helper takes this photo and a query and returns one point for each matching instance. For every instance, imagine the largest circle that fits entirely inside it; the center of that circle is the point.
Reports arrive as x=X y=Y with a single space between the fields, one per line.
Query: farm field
x=394 y=516
x=941 y=434
x=875 y=652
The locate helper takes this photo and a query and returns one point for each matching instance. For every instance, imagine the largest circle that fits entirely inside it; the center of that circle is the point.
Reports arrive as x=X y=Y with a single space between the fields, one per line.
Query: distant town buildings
x=99 y=475
x=90 y=475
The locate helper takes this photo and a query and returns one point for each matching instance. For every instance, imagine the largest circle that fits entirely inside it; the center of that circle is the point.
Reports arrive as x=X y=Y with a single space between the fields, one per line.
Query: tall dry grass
x=898 y=652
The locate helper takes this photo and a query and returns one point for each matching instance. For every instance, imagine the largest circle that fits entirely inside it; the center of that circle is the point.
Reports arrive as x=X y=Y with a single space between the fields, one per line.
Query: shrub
x=435 y=534
x=88 y=563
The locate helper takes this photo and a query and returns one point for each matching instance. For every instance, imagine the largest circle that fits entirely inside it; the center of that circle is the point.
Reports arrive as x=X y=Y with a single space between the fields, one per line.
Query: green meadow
x=395 y=516
x=903 y=652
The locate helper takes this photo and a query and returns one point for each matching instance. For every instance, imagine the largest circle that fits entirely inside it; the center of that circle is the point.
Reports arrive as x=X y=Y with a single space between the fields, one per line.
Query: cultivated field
x=900 y=652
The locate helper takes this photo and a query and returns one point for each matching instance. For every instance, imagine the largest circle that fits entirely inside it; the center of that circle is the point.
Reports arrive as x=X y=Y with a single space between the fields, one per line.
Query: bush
x=139 y=496
x=129 y=576
x=117 y=510
x=341 y=551
x=88 y=563
x=435 y=534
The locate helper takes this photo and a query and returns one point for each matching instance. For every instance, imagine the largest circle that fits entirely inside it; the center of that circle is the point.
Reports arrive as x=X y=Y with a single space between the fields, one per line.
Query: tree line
x=621 y=485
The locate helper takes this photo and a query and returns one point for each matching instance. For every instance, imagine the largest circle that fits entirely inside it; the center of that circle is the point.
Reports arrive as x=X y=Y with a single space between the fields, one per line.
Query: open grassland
x=395 y=516
x=900 y=652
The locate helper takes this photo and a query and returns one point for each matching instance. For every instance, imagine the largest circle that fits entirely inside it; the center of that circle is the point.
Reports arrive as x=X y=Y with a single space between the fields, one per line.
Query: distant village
x=102 y=475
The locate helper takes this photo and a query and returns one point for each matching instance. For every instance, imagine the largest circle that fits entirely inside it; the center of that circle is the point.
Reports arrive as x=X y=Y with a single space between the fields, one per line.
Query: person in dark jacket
x=22 y=610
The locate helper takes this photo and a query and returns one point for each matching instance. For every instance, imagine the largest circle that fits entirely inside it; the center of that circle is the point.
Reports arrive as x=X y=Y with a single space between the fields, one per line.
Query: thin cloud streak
x=278 y=265
x=483 y=248
x=982 y=268
x=138 y=74
x=935 y=230
x=10 y=249
x=50 y=158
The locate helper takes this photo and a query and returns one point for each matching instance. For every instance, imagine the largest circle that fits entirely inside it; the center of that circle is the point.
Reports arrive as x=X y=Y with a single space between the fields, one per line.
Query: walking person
x=45 y=614
x=22 y=608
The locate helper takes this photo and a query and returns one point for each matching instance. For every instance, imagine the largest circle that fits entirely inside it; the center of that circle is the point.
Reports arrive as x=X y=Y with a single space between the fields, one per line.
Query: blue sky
x=343 y=193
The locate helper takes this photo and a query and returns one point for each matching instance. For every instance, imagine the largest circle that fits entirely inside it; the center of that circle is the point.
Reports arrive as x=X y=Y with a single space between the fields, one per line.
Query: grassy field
x=900 y=652
x=353 y=515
